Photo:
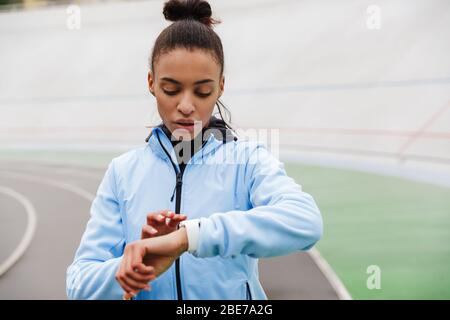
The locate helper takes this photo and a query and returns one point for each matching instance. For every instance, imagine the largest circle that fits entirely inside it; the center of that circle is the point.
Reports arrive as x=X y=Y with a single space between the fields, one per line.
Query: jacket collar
x=216 y=134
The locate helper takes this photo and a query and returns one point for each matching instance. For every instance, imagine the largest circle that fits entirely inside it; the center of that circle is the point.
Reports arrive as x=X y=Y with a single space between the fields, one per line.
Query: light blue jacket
x=247 y=205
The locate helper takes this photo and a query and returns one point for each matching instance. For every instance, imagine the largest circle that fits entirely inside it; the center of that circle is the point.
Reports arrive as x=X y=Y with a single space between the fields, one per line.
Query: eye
x=203 y=95
x=170 y=93
x=200 y=94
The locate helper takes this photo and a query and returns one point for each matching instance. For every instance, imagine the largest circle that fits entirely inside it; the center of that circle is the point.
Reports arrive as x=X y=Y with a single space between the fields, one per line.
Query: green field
x=401 y=226
x=397 y=224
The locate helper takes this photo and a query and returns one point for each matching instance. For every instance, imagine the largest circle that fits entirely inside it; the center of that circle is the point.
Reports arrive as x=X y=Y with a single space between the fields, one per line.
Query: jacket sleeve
x=283 y=218
x=92 y=273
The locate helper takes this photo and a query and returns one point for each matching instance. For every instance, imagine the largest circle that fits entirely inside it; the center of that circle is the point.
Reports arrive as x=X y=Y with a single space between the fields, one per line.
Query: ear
x=221 y=86
x=151 y=83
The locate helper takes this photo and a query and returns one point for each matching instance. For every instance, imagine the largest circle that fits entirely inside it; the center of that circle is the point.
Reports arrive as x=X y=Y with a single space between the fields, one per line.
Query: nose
x=186 y=105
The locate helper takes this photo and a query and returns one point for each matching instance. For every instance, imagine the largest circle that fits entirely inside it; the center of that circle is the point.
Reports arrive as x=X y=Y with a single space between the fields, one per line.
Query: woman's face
x=186 y=85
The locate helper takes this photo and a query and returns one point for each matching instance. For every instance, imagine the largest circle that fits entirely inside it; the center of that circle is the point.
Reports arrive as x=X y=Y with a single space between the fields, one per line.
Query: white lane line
x=395 y=169
x=32 y=218
x=29 y=231
x=65 y=186
x=71 y=171
x=46 y=164
x=329 y=273
x=43 y=167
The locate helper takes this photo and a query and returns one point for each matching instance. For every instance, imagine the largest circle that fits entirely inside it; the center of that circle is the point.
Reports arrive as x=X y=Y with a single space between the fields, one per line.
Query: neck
x=184 y=150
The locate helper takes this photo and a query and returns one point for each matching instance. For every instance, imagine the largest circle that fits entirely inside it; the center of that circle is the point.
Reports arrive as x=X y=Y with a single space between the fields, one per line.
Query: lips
x=185 y=124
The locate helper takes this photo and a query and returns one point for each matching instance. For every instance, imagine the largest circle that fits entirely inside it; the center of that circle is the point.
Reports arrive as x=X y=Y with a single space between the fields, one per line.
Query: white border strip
x=29 y=232
x=331 y=276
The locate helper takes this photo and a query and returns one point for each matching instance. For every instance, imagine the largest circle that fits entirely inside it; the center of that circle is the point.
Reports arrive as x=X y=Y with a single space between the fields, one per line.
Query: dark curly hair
x=192 y=28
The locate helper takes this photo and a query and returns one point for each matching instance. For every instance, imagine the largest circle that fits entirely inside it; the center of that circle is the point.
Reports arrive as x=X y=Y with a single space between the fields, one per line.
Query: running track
x=57 y=200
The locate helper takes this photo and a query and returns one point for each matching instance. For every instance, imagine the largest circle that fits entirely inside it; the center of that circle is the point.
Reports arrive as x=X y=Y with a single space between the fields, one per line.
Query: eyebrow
x=177 y=82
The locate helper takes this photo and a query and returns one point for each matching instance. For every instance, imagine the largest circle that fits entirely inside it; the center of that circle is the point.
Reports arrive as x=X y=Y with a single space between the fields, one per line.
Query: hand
x=162 y=251
x=161 y=223
x=133 y=275
x=144 y=260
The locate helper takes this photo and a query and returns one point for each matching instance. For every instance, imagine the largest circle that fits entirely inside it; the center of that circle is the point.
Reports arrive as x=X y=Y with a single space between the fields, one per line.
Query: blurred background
x=358 y=92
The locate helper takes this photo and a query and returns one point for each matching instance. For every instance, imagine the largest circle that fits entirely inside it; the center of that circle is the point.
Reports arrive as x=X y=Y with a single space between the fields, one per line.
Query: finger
x=148 y=232
x=175 y=220
x=180 y=217
x=143 y=269
x=129 y=292
x=168 y=214
x=135 y=281
x=172 y=223
x=142 y=279
x=142 y=274
x=129 y=258
x=151 y=217
x=129 y=272
x=120 y=275
x=154 y=219
x=160 y=218
x=133 y=265
x=134 y=286
x=127 y=296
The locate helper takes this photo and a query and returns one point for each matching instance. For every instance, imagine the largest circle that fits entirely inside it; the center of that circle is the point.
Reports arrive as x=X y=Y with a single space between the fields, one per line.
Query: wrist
x=182 y=240
x=174 y=243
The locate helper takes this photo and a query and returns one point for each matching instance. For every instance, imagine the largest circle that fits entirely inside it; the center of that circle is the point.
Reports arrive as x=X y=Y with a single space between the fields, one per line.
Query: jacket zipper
x=248 y=291
x=178 y=184
x=177 y=191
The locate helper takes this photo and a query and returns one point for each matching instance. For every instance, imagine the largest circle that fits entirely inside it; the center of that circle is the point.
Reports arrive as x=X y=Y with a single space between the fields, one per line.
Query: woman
x=238 y=204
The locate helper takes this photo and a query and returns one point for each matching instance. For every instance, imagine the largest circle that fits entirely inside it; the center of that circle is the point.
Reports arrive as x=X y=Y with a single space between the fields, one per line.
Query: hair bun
x=199 y=10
